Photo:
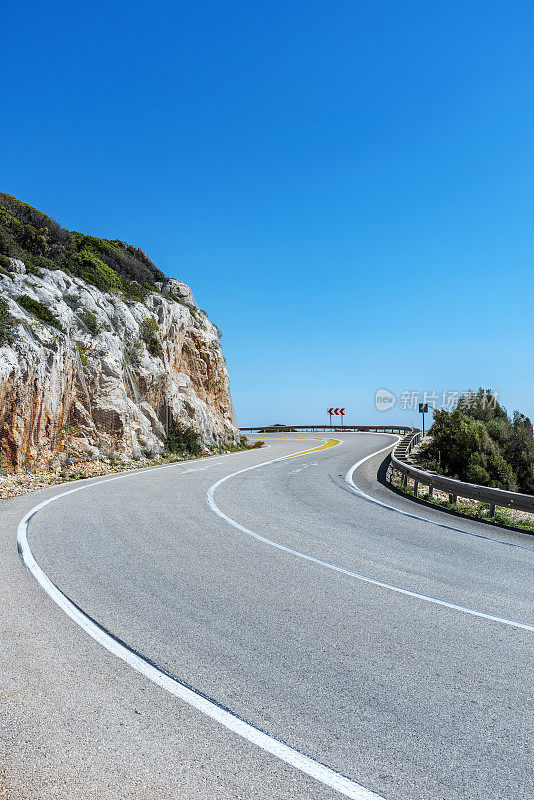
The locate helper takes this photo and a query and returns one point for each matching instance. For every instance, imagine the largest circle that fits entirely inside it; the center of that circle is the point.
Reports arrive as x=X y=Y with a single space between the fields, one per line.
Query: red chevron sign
x=337 y=411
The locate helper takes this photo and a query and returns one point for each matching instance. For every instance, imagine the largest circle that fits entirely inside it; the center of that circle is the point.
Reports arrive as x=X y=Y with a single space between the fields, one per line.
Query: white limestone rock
x=115 y=395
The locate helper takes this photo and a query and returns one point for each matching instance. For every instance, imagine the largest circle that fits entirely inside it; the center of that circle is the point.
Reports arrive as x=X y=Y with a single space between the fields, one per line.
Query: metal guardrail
x=339 y=428
x=455 y=488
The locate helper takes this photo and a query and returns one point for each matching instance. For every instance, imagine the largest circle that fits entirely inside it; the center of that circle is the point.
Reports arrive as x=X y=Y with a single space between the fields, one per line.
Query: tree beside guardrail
x=454 y=488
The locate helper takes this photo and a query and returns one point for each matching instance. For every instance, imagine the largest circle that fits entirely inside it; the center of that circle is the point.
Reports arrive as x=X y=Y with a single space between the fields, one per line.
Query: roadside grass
x=478 y=511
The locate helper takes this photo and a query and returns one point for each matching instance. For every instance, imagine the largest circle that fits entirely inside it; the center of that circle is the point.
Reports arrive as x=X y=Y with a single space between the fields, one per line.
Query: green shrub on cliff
x=33 y=269
x=40 y=311
x=90 y=321
x=93 y=270
x=6 y=322
x=150 y=335
x=83 y=355
x=6 y=267
x=39 y=241
x=183 y=440
x=133 y=351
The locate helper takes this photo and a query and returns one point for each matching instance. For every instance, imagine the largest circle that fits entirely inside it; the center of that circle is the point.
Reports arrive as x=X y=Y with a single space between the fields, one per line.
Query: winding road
x=270 y=624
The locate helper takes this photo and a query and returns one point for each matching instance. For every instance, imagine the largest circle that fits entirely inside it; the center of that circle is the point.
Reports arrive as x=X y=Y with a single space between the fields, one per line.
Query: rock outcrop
x=105 y=375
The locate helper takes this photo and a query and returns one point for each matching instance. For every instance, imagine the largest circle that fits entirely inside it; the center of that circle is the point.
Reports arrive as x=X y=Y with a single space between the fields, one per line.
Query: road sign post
x=337 y=412
x=423 y=408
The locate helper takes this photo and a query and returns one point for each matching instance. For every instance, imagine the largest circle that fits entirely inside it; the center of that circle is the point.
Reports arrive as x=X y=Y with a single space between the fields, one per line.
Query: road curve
x=391 y=651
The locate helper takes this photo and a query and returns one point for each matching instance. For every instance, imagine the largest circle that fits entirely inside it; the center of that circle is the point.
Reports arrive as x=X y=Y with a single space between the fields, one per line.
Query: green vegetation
x=481 y=444
x=183 y=440
x=33 y=269
x=39 y=263
x=6 y=322
x=150 y=336
x=502 y=518
x=83 y=356
x=71 y=300
x=186 y=441
x=40 y=311
x=90 y=321
x=110 y=265
x=133 y=351
x=479 y=511
x=6 y=267
x=136 y=291
x=92 y=269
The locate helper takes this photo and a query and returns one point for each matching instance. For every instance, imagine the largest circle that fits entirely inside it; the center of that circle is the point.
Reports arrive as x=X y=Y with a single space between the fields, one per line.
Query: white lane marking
x=304 y=466
x=342 y=570
x=307 y=765
x=349 y=479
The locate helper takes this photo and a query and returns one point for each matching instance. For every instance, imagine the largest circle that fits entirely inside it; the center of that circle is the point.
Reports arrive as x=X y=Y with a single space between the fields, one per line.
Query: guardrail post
x=495 y=498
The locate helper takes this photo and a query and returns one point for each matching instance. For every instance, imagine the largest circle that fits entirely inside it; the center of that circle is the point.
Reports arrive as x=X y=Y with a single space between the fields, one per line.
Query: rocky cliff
x=86 y=372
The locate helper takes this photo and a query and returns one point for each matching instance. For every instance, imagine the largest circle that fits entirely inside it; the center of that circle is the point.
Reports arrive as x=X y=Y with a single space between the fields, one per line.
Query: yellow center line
x=329 y=443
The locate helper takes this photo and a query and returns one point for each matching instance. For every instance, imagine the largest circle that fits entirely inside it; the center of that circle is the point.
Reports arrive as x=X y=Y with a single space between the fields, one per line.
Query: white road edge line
x=349 y=480
x=305 y=764
x=342 y=570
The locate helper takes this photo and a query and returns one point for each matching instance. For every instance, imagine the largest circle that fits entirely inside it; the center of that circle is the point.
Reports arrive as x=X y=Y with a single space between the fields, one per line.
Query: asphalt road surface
x=384 y=655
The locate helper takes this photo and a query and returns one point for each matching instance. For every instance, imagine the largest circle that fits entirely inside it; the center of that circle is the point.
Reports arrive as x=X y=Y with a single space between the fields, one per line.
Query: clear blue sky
x=347 y=186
